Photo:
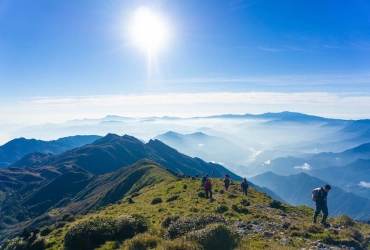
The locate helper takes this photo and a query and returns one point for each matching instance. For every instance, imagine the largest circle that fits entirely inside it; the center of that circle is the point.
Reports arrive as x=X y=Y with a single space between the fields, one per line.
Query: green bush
x=180 y=244
x=168 y=220
x=37 y=244
x=16 y=243
x=276 y=204
x=185 y=186
x=46 y=230
x=67 y=217
x=216 y=236
x=315 y=229
x=201 y=194
x=92 y=233
x=186 y=224
x=156 y=200
x=142 y=242
x=221 y=209
x=239 y=209
x=173 y=198
x=345 y=220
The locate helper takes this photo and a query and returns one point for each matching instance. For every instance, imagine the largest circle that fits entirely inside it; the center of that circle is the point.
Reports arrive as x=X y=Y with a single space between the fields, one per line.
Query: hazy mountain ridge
x=14 y=150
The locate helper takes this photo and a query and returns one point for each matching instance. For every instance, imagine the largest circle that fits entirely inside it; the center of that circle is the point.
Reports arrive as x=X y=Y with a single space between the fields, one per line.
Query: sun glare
x=149 y=30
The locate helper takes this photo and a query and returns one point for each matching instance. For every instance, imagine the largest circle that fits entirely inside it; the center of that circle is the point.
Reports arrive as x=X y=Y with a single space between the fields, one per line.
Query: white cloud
x=200 y=145
x=305 y=166
x=364 y=184
x=267 y=162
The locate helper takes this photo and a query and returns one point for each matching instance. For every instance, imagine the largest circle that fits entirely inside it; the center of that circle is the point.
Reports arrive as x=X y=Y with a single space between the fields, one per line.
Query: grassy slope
x=297 y=220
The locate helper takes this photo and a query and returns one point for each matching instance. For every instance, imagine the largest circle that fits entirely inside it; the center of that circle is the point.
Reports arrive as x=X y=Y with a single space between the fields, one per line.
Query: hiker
x=319 y=195
x=208 y=188
x=244 y=186
x=203 y=180
x=227 y=181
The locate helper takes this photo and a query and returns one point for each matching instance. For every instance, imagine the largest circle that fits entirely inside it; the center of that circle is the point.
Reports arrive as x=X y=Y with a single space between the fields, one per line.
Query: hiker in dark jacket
x=320 y=198
x=244 y=186
x=203 y=180
x=208 y=188
x=227 y=181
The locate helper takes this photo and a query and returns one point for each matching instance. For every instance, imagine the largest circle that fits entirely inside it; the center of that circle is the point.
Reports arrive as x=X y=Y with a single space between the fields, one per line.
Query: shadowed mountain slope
x=79 y=191
x=15 y=149
x=113 y=152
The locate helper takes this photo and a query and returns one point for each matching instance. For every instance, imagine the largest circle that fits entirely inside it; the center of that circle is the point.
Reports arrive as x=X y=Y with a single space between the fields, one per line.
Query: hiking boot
x=325 y=224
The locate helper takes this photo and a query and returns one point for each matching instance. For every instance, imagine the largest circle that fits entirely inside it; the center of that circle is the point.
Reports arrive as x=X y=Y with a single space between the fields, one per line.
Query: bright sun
x=149 y=30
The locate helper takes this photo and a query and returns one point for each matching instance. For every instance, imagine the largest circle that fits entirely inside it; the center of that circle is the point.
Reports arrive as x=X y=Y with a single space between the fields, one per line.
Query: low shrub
x=222 y=191
x=134 y=195
x=37 y=244
x=92 y=233
x=180 y=244
x=16 y=243
x=276 y=204
x=60 y=224
x=67 y=217
x=216 y=236
x=345 y=220
x=46 y=230
x=168 y=220
x=315 y=229
x=201 y=195
x=156 y=200
x=239 y=209
x=232 y=196
x=244 y=202
x=185 y=186
x=221 y=209
x=173 y=198
x=142 y=242
x=186 y=224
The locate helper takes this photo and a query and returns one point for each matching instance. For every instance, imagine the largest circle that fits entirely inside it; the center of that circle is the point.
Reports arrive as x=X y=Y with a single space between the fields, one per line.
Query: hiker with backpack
x=244 y=186
x=208 y=188
x=203 y=180
x=319 y=196
x=227 y=181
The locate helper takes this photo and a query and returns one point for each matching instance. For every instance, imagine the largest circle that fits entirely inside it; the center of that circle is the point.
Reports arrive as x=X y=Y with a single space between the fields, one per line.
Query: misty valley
x=86 y=165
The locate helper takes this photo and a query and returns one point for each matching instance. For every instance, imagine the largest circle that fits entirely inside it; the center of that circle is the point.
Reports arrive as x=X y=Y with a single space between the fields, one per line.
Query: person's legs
x=317 y=212
x=207 y=193
x=210 y=193
x=325 y=213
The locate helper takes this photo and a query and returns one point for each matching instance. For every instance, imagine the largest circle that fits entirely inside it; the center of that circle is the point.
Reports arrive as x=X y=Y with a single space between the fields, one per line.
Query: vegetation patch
x=142 y=242
x=221 y=209
x=156 y=200
x=92 y=233
x=173 y=198
x=186 y=224
x=239 y=209
x=216 y=236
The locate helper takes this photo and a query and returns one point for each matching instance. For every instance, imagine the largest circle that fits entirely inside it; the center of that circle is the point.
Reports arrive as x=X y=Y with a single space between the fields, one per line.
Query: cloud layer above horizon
x=38 y=110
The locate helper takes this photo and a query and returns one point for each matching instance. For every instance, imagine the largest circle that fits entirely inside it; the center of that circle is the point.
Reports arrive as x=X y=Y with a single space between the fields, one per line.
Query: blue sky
x=63 y=60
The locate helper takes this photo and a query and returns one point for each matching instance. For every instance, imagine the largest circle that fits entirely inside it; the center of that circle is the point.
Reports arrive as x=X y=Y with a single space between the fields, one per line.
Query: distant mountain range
x=296 y=189
x=208 y=148
x=14 y=150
